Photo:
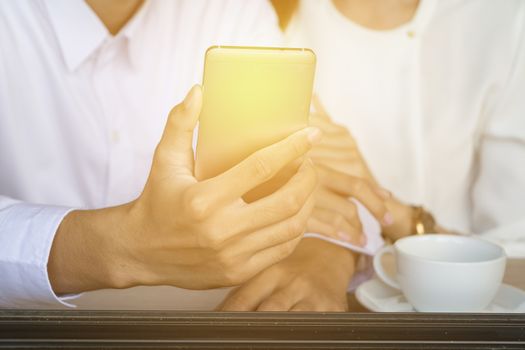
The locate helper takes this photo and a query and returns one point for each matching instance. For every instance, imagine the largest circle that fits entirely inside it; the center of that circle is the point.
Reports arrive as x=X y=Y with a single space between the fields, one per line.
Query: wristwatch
x=422 y=221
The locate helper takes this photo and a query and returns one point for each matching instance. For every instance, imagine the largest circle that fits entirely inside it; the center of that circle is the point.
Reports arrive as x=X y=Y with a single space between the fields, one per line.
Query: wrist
x=402 y=216
x=86 y=252
x=117 y=230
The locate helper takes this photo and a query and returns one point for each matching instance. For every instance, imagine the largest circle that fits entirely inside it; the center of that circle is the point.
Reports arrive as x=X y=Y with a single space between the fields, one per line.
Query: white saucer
x=377 y=296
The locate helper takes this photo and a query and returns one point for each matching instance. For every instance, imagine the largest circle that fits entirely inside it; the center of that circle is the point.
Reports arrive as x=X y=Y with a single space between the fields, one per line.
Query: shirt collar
x=80 y=32
x=132 y=32
x=78 y=29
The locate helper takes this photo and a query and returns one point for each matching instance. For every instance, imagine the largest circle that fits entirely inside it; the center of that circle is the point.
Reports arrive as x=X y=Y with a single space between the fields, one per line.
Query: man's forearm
x=83 y=256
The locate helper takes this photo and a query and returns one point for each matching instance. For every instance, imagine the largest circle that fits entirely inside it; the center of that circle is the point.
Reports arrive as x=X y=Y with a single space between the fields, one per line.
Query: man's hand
x=187 y=233
x=314 y=278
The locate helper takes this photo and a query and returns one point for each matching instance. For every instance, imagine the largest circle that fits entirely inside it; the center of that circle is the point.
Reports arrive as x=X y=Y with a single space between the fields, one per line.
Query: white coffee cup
x=445 y=273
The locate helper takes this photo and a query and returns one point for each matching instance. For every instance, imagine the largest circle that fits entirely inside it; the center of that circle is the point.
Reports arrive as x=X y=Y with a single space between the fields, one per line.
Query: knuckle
x=261 y=167
x=284 y=250
x=177 y=111
x=359 y=185
x=294 y=203
x=209 y=240
x=295 y=228
x=233 y=277
x=174 y=117
x=224 y=260
x=298 y=146
x=196 y=206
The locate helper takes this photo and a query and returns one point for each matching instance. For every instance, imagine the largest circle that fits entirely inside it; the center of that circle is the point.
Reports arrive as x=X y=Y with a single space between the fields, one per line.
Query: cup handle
x=378 y=267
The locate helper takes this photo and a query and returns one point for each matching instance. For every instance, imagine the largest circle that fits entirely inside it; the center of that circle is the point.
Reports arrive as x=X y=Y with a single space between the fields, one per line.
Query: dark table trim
x=207 y=330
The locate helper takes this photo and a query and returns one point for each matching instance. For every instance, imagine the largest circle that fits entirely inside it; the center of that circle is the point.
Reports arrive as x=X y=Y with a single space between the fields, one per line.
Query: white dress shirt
x=81 y=112
x=437 y=106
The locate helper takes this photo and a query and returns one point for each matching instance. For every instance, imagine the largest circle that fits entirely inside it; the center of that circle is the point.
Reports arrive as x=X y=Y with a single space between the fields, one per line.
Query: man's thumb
x=175 y=146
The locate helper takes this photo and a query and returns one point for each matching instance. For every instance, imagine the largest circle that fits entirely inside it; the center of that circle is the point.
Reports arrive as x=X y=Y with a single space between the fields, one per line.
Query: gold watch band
x=422 y=221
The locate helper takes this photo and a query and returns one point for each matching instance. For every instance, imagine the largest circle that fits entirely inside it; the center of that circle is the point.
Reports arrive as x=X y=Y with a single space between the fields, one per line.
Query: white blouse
x=437 y=106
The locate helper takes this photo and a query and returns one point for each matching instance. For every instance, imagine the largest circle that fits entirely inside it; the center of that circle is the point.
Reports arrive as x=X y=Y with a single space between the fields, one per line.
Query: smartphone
x=252 y=97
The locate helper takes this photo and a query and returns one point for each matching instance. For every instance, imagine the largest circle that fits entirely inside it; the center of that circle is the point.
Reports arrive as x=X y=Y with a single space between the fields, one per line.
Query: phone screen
x=252 y=98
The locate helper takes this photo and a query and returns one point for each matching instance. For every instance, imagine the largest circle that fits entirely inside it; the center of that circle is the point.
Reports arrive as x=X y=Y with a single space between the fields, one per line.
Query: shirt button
x=411 y=34
x=115 y=136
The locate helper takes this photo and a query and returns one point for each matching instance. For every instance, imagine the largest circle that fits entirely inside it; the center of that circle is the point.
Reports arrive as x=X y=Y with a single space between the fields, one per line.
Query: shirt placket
x=119 y=165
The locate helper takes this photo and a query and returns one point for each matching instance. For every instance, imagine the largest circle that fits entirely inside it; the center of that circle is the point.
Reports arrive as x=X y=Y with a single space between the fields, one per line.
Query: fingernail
x=344 y=236
x=314 y=135
x=388 y=219
x=189 y=100
x=362 y=240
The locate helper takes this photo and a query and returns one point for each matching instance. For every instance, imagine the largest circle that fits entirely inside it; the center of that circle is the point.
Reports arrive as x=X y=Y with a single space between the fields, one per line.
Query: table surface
x=515 y=273
x=172 y=298
x=132 y=329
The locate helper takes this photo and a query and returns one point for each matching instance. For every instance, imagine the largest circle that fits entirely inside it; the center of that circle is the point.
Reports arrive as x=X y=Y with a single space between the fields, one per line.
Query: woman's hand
x=337 y=149
x=314 y=278
x=337 y=159
x=335 y=215
x=342 y=175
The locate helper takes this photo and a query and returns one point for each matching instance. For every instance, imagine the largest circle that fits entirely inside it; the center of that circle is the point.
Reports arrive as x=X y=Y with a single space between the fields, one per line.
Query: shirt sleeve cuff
x=26 y=236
